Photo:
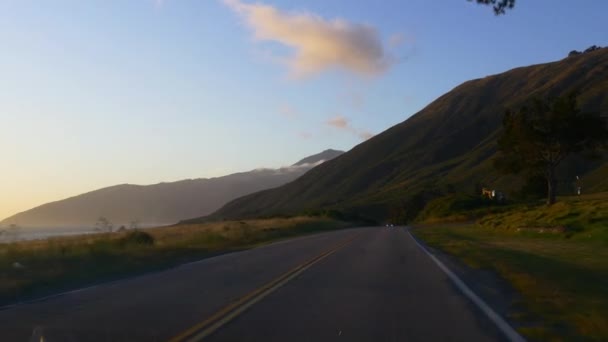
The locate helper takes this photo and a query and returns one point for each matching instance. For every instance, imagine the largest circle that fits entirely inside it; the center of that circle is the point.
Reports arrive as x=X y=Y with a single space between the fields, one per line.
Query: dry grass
x=563 y=279
x=582 y=218
x=231 y=229
x=562 y=276
x=67 y=262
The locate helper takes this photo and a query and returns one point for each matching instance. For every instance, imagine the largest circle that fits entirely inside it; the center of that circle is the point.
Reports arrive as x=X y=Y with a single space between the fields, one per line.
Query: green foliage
x=590 y=49
x=406 y=211
x=138 y=238
x=579 y=218
x=341 y=215
x=536 y=138
x=452 y=204
x=500 y=6
x=535 y=187
x=460 y=207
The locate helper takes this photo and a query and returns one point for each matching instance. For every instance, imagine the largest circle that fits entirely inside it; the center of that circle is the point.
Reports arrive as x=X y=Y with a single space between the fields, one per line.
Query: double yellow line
x=231 y=311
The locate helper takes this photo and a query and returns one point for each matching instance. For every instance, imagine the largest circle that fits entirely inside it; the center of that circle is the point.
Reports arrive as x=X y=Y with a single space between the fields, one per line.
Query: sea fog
x=8 y=235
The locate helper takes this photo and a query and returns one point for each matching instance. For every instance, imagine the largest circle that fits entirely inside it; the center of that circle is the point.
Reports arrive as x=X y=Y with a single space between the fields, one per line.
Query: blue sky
x=96 y=93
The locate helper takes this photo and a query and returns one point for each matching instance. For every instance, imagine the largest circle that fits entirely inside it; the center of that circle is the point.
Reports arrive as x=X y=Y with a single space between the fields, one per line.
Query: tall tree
x=104 y=225
x=536 y=138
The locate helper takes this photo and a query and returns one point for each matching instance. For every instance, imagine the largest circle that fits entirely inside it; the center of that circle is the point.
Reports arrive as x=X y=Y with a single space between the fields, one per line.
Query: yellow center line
x=231 y=311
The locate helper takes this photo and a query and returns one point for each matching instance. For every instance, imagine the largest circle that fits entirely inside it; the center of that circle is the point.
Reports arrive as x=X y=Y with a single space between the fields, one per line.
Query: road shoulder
x=488 y=285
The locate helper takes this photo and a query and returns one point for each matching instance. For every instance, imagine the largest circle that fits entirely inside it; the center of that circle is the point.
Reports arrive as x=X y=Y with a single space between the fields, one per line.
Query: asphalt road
x=368 y=284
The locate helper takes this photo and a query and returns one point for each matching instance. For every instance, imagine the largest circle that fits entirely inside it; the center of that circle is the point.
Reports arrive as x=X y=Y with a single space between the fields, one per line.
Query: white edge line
x=502 y=325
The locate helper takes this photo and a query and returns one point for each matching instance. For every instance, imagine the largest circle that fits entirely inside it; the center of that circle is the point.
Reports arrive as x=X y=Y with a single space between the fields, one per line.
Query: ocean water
x=23 y=234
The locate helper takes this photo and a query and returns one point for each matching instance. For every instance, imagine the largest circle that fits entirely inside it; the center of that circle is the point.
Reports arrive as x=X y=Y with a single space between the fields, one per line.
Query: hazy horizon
x=100 y=93
x=294 y=168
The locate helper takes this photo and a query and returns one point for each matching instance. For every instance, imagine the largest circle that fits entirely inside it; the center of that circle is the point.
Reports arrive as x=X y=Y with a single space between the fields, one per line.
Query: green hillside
x=447 y=146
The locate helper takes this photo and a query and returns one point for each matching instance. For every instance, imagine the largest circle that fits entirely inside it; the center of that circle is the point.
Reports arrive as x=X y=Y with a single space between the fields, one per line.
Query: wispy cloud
x=398 y=39
x=341 y=123
x=288 y=112
x=365 y=135
x=290 y=168
x=319 y=44
x=354 y=99
x=305 y=135
x=395 y=40
x=408 y=99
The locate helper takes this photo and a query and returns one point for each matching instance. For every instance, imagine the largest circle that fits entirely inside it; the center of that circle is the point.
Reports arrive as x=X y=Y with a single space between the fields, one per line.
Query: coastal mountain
x=164 y=203
x=447 y=146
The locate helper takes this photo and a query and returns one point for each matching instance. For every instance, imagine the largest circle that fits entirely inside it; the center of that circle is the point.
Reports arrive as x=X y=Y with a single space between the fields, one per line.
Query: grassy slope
x=450 y=142
x=61 y=263
x=598 y=179
x=562 y=276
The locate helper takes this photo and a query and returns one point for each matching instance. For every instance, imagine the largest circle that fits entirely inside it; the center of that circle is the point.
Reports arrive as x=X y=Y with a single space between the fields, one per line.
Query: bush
x=407 y=210
x=535 y=187
x=455 y=204
x=592 y=48
x=137 y=237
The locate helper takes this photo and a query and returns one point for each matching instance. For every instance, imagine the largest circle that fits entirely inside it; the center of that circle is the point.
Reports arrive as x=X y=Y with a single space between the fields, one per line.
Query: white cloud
x=319 y=44
x=341 y=123
x=290 y=168
x=305 y=166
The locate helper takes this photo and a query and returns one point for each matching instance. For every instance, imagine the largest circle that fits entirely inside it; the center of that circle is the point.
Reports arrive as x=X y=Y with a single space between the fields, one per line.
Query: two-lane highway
x=367 y=284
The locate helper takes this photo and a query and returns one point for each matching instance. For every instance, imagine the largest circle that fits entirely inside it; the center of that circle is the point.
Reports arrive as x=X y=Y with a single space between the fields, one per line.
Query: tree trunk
x=551 y=187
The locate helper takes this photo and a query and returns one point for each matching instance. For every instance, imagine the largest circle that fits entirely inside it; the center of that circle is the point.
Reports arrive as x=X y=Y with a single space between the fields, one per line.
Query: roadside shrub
x=455 y=205
x=407 y=210
x=137 y=237
x=535 y=187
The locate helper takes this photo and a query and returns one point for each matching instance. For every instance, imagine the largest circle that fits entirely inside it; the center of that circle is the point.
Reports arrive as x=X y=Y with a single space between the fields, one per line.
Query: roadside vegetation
x=537 y=137
x=459 y=208
x=555 y=257
x=34 y=268
x=554 y=254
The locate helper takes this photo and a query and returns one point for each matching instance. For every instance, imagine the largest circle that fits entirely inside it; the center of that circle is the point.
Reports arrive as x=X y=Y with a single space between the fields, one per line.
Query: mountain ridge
x=161 y=203
x=448 y=144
